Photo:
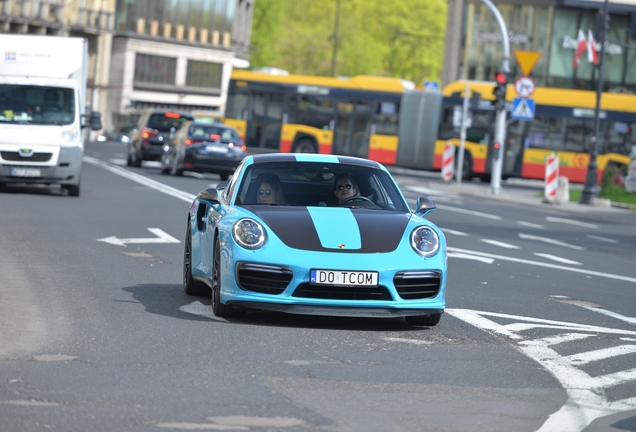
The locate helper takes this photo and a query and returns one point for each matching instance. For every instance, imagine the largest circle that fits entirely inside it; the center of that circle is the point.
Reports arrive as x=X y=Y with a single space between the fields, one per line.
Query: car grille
x=326 y=292
x=263 y=278
x=412 y=285
x=35 y=157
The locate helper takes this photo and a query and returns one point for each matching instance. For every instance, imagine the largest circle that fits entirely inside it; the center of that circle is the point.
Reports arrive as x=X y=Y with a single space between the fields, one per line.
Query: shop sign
x=610 y=48
x=518 y=38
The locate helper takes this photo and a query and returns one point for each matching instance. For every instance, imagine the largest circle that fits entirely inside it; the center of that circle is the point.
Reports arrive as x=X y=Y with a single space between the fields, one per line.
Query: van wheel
x=467 y=168
x=73 y=190
x=305 y=146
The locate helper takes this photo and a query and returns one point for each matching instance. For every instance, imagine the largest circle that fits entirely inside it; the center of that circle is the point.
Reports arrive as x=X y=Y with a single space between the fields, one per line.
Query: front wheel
x=73 y=190
x=424 y=320
x=190 y=286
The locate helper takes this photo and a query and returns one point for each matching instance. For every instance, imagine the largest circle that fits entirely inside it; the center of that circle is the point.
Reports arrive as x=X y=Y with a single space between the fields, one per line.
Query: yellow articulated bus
x=563 y=124
x=357 y=116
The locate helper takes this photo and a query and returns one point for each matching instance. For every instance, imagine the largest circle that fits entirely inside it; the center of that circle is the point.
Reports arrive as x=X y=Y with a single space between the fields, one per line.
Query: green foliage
x=402 y=38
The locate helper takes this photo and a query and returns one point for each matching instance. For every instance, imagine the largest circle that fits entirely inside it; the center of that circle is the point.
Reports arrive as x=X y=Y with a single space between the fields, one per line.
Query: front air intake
x=412 y=285
x=263 y=278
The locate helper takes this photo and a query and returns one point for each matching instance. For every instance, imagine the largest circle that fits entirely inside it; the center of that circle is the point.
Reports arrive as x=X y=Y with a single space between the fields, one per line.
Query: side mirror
x=424 y=206
x=210 y=195
x=95 y=120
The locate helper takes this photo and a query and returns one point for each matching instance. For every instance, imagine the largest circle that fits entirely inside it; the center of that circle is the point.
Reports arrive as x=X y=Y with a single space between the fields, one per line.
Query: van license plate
x=26 y=172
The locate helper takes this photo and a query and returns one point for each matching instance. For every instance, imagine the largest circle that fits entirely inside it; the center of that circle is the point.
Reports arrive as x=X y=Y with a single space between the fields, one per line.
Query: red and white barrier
x=551 y=177
x=448 y=161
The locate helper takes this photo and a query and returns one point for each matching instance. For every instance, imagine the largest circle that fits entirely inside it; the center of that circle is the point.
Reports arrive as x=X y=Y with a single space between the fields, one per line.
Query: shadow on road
x=166 y=299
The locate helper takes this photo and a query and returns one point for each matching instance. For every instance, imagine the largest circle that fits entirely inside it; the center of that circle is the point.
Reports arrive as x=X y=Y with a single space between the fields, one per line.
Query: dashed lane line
x=550 y=241
x=571 y=222
x=556 y=258
x=500 y=244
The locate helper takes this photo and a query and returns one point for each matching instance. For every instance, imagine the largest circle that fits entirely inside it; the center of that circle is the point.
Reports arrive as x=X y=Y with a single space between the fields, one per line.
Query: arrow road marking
x=586 y=394
x=162 y=237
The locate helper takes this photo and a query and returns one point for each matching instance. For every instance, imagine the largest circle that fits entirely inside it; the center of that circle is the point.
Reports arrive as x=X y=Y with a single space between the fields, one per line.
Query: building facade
x=176 y=54
x=475 y=49
x=93 y=20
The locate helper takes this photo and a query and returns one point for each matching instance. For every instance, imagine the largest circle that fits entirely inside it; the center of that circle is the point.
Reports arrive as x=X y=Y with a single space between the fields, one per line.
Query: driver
x=344 y=187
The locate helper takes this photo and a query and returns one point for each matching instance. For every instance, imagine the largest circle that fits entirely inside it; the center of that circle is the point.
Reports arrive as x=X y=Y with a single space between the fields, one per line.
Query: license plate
x=344 y=278
x=26 y=172
x=216 y=149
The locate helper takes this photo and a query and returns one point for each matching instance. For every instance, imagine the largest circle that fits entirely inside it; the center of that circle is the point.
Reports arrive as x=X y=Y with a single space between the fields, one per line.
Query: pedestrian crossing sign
x=522 y=109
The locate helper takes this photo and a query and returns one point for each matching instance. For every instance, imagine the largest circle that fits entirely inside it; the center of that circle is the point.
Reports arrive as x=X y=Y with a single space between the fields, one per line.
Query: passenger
x=270 y=191
x=344 y=187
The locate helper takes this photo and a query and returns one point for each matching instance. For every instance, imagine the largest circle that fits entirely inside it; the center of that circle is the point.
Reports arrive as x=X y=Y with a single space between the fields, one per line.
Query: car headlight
x=425 y=241
x=249 y=234
x=71 y=137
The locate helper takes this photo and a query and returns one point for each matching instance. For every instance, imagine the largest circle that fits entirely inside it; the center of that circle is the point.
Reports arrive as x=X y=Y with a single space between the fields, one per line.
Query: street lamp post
x=591 y=189
x=335 y=39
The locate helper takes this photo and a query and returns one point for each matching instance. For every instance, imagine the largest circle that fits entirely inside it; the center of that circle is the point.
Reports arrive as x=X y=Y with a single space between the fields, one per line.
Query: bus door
x=516 y=140
x=383 y=145
x=353 y=128
x=264 y=124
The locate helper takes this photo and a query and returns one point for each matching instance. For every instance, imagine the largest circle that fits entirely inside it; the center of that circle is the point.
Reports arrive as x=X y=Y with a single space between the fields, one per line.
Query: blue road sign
x=522 y=109
x=431 y=85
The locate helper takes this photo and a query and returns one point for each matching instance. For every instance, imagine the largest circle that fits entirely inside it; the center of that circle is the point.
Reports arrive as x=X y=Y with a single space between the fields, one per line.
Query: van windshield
x=36 y=104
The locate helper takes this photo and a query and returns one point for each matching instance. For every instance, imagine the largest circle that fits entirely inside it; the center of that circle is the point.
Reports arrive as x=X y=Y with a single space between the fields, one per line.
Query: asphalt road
x=539 y=334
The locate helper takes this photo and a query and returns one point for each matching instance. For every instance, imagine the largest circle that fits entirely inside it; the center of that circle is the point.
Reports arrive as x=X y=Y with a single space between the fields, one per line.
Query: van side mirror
x=95 y=120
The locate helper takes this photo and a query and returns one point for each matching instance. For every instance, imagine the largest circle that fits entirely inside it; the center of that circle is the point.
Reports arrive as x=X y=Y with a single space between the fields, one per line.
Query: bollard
x=448 y=162
x=563 y=190
x=551 y=176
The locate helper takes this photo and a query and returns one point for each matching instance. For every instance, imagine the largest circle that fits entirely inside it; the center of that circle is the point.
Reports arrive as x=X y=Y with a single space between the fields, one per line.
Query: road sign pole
x=462 y=138
x=500 y=130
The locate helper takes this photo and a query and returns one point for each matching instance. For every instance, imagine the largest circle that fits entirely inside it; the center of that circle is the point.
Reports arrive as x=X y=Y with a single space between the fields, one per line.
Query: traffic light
x=499 y=92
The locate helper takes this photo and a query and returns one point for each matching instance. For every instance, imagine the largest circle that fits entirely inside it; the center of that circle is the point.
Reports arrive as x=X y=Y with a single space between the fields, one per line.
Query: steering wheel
x=351 y=199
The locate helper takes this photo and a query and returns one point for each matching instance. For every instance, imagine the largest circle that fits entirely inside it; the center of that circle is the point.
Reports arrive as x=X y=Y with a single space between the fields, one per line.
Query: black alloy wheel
x=219 y=308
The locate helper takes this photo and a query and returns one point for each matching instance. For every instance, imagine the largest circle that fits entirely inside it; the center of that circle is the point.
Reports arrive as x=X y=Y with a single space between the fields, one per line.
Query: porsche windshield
x=315 y=184
x=36 y=104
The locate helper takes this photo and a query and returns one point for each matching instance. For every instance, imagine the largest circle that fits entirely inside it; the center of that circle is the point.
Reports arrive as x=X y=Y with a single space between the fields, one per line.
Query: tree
x=403 y=38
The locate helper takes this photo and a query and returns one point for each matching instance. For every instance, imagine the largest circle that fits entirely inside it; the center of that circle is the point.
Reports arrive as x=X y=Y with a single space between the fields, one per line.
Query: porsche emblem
x=341 y=246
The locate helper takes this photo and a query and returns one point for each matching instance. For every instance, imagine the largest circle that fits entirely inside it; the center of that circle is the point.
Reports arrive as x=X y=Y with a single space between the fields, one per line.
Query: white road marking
x=470 y=257
x=455 y=250
x=116 y=161
x=469 y=212
x=411 y=341
x=556 y=258
x=565 y=337
x=54 y=357
x=198 y=308
x=601 y=354
x=529 y=225
x=32 y=403
x=238 y=422
x=586 y=401
x=571 y=222
x=500 y=244
x=603 y=239
x=162 y=237
x=453 y=232
x=549 y=240
x=427 y=191
x=184 y=196
x=595 y=308
x=628 y=339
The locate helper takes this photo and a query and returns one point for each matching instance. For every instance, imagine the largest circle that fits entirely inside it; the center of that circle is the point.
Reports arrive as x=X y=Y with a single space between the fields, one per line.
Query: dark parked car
x=152 y=133
x=203 y=147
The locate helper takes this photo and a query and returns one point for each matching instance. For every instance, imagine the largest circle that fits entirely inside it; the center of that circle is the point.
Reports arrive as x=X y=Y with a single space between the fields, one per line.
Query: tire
x=129 y=161
x=305 y=145
x=219 y=308
x=165 y=169
x=424 y=320
x=73 y=190
x=135 y=159
x=191 y=286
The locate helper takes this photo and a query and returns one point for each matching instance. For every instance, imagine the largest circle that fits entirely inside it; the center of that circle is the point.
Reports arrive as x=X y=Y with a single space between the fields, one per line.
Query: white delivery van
x=43 y=118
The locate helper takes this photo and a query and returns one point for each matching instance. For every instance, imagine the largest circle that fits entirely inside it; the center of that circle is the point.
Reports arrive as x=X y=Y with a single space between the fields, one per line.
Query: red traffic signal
x=501 y=78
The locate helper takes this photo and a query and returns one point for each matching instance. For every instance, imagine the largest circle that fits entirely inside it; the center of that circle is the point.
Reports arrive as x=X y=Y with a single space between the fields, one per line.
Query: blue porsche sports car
x=315 y=234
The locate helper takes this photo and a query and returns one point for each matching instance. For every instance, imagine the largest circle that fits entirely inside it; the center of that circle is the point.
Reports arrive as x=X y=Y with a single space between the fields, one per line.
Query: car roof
x=311 y=157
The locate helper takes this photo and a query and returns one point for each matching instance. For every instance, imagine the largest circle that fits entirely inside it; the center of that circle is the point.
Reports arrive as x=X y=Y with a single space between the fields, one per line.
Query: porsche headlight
x=425 y=241
x=249 y=234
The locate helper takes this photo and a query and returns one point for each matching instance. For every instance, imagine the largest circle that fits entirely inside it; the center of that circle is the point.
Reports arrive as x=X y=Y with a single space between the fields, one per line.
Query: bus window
x=577 y=134
x=361 y=128
x=619 y=138
x=312 y=110
x=236 y=104
x=546 y=132
x=386 y=119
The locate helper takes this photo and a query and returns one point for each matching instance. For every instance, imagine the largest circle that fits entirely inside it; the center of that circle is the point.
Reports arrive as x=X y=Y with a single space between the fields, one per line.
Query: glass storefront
x=553 y=32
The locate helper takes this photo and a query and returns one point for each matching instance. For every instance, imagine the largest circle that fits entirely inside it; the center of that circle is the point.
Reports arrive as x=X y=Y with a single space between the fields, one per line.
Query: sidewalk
x=513 y=190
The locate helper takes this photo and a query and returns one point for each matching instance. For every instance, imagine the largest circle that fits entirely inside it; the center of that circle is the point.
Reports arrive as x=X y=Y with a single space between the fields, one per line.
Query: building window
x=154 y=69
x=204 y=74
